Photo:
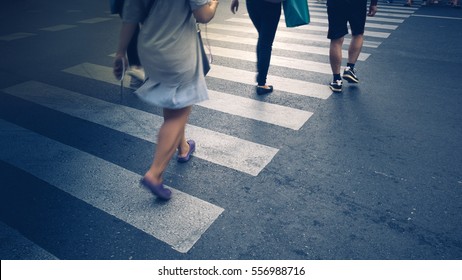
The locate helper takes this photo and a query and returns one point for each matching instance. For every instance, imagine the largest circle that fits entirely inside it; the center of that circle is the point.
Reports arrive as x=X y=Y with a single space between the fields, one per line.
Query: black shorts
x=341 y=12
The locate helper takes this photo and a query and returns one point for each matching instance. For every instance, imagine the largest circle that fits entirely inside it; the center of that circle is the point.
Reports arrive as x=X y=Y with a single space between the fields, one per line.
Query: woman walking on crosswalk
x=265 y=15
x=169 y=51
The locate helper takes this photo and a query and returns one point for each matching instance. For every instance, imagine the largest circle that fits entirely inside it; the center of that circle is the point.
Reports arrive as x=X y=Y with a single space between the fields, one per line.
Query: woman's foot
x=184 y=156
x=156 y=188
x=264 y=89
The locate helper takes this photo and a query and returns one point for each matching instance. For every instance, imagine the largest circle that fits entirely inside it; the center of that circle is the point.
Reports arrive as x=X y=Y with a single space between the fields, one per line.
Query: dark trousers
x=265 y=17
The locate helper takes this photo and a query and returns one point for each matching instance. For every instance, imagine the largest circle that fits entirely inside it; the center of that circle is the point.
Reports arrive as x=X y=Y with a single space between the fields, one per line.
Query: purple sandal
x=158 y=190
x=192 y=148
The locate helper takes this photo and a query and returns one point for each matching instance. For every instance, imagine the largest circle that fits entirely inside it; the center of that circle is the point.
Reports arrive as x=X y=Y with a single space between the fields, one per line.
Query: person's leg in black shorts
x=338 y=28
x=340 y=13
x=357 y=22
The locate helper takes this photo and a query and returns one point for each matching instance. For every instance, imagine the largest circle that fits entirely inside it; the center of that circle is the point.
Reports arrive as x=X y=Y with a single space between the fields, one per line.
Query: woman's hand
x=121 y=62
x=234 y=6
x=372 y=10
x=120 y=65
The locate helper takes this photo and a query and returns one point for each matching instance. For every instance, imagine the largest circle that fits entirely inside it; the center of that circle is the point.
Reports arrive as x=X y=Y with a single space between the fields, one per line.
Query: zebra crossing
x=181 y=222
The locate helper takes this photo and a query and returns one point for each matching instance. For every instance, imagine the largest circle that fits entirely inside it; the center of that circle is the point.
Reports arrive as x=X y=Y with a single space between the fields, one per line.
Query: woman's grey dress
x=169 y=50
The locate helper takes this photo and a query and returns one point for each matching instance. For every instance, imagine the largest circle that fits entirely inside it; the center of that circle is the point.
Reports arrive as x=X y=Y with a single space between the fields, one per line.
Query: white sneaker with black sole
x=336 y=86
x=349 y=74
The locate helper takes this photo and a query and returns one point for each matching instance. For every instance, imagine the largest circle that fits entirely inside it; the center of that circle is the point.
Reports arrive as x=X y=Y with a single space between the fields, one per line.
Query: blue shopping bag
x=296 y=12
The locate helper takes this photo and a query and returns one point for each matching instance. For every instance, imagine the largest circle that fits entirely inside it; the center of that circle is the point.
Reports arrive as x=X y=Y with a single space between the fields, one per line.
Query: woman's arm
x=205 y=13
x=234 y=6
x=126 y=33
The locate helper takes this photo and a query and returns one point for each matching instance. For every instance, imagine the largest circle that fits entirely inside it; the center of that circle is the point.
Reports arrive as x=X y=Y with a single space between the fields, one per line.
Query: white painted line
x=385 y=14
x=400 y=8
x=95 y=20
x=16 y=246
x=380 y=12
x=219 y=148
x=257 y=110
x=230 y=104
x=368 y=24
x=310 y=27
x=281 y=84
x=380 y=8
x=58 y=27
x=323 y=19
x=16 y=36
x=393 y=10
x=366 y=33
x=278 y=45
x=284 y=33
x=323 y=15
x=109 y=187
x=281 y=61
x=438 y=17
x=381 y=5
x=96 y=72
x=325 y=29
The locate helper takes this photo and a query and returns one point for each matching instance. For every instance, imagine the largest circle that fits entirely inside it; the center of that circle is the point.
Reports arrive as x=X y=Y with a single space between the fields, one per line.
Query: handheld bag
x=205 y=60
x=296 y=12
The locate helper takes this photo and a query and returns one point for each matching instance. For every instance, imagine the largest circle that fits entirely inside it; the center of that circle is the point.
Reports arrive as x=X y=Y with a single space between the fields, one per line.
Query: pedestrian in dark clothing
x=340 y=13
x=265 y=15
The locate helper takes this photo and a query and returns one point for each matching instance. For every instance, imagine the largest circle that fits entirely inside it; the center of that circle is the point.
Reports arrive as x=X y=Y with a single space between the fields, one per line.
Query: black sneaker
x=264 y=90
x=349 y=74
x=336 y=86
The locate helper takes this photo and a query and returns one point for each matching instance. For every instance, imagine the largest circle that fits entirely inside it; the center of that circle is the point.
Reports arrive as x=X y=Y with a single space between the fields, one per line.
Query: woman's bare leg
x=171 y=135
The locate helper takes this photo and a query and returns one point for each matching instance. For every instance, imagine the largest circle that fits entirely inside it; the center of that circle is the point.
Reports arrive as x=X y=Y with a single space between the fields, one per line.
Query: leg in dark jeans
x=265 y=17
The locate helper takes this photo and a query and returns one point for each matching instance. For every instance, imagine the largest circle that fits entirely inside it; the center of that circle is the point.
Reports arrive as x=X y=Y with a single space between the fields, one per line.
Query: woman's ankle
x=152 y=178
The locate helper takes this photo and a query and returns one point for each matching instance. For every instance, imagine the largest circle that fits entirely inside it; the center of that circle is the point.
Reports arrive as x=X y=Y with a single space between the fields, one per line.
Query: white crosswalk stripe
x=262 y=111
x=368 y=24
x=16 y=36
x=288 y=62
x=219 y=101
x=16 y=242
x=182 y=221
x=314 y=28
x=282 y=34
x=179 y=223
x=215 y=147
x=94 y=20
x=399 y=12
x=320 y=15
x=324 y=20
x=59 y=27
x=283 y=84
x=324 y=51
